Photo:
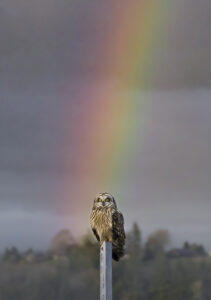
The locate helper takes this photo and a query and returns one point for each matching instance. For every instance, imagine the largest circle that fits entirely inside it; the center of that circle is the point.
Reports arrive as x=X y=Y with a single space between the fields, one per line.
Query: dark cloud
x=183 y=47
x=49 y=40
x=56 y=42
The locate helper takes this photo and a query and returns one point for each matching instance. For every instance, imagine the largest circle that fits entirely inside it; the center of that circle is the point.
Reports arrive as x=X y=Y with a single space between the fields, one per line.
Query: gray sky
x=48 y=44
x=51 y=42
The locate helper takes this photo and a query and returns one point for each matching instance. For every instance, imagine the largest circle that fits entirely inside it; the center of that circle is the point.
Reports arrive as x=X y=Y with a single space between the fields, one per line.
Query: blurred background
x=105 y=96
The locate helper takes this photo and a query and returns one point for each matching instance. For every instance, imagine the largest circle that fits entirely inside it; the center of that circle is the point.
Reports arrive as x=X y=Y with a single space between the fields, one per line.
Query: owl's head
x=105 y=200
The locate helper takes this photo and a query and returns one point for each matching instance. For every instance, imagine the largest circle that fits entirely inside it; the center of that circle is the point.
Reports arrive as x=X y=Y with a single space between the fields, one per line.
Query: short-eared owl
x=108 y=223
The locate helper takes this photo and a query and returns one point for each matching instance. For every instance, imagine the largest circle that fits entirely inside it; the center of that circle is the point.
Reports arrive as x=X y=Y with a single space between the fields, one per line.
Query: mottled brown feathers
x=108 y=224
x=118 y=235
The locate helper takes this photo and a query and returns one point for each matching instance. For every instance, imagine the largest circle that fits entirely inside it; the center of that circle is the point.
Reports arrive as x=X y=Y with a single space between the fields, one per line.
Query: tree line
x=70 y=270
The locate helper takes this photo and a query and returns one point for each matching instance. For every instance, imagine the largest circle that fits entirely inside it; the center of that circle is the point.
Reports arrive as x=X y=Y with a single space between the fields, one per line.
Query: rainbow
x=111 y=126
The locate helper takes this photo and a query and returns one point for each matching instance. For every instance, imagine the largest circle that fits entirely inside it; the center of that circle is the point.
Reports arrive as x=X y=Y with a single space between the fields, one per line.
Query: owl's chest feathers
x=102 y=221
x=103 y=218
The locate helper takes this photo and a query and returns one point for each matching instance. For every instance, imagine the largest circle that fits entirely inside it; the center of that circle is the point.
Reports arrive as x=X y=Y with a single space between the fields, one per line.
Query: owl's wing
x=118 y=225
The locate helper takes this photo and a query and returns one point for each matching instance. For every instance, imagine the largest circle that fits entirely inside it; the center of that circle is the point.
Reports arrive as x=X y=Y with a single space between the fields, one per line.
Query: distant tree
x=156 y=243
x=198 y=249
x=186 y=246
x=28 y=256
x=62 y=242
x=194 y=248
x=134 y=247
x=12 y=255
x=89 y=250
x=201 y=250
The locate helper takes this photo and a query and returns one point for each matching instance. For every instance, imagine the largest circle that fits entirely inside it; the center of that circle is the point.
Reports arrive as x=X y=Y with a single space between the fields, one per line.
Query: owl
x=107 y=224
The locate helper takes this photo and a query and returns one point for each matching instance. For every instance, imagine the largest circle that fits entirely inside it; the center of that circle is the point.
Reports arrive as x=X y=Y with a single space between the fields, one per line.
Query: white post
x=106 y=271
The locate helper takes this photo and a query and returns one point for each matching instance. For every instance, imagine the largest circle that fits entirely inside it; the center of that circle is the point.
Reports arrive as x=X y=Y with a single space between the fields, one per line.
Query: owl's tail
x=118 y=249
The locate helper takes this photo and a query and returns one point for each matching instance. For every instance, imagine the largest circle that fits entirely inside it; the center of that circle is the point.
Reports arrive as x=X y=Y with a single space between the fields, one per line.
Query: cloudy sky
x=49 y=51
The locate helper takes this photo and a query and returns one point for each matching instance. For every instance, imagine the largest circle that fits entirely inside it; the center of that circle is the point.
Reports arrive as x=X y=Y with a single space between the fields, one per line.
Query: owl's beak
x=103 y=203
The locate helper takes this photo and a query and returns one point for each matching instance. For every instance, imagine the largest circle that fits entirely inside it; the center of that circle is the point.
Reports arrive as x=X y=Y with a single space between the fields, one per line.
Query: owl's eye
x=107 y=200
x=99 y=200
